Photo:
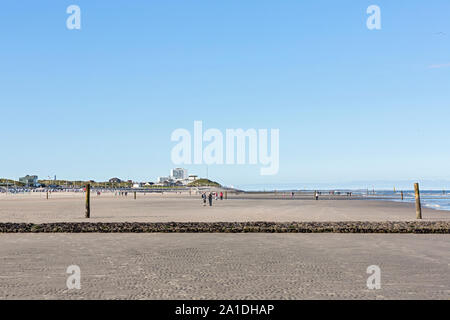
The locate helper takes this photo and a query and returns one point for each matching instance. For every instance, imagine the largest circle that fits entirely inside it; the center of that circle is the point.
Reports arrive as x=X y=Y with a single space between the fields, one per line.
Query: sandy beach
x=218 y=266
x=167 y=207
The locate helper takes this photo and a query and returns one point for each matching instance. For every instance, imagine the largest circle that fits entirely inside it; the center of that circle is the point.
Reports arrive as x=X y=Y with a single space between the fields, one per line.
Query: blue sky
x=351 y=104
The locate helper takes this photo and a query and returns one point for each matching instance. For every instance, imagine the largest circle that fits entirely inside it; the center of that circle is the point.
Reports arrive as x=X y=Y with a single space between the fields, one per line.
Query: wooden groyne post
x=401 y=194
x=135 y=195
x=88 y=201
x=418 y=205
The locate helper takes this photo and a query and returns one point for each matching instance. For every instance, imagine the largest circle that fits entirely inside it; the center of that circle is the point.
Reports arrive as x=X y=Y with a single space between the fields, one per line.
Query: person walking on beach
x=210 y=198
x=204 y=198
x=316 y=195
x=221 y=195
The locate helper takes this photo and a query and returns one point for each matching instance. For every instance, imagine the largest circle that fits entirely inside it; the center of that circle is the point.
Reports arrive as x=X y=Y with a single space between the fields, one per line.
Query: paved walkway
x=224 y=266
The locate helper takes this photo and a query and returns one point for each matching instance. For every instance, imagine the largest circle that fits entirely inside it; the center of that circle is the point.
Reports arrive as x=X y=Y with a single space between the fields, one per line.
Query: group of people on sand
x=210 y=196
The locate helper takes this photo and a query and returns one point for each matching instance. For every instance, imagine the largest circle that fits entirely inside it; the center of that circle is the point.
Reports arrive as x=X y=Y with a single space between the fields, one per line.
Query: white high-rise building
x=179 y=174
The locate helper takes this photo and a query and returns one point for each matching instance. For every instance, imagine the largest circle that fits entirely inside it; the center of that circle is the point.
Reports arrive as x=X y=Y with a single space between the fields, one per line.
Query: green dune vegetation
x=94 y=184
x=204 y=183
x=9 y=182
x=79 y=183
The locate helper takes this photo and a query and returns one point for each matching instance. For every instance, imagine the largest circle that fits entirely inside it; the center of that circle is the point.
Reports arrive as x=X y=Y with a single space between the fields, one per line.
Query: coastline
x=176 y=207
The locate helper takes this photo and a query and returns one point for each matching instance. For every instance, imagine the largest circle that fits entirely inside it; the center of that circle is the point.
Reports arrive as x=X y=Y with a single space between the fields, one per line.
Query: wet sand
x=69 y=207
x=218 y=266
x=224 y=266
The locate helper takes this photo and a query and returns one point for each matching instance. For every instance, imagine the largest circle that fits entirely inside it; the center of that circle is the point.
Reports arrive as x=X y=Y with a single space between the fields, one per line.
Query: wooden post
x=226 y=195
x=401 y=194
x=418 y=205
x=88 y=201
x=47 y=194
x=135 y=195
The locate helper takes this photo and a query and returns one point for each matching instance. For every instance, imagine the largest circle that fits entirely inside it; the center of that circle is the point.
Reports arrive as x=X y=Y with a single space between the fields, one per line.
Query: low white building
x=192 y=177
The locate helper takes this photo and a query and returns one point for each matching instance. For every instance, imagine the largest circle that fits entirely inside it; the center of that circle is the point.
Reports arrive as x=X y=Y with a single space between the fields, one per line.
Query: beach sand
x=218 y=266
x=167 y=207
x=224 y=266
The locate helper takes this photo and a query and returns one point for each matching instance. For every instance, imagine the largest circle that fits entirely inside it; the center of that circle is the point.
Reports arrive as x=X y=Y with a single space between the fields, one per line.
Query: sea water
x=433 y=199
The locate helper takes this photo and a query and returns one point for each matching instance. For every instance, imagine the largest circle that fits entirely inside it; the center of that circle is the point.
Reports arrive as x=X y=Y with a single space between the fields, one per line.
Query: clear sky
x=350 y=103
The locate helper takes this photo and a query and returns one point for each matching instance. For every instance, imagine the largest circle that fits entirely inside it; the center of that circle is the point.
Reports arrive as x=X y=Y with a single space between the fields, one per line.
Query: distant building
x=178 y=177
x=29 y=180
x=179 y=174
x=192 y=177
x=115 y=180
x=162 y=180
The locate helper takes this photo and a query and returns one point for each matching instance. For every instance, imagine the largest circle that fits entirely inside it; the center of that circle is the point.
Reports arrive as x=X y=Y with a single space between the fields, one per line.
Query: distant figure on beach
x=210 y=198
x=292 y=195
x=216 y=195
x=221 y=195
x=204 y=198
x=317 y=195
